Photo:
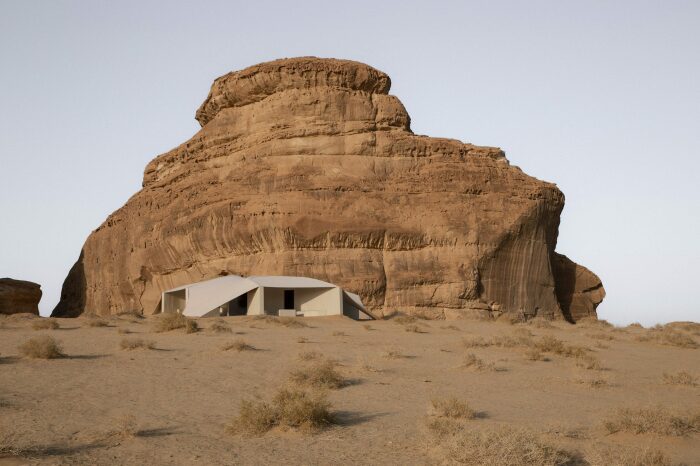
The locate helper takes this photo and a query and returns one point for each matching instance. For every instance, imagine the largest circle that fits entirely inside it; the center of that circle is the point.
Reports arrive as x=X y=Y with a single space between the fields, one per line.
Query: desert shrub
x=588 y=361
x=136 y=343
x=471 y=361
x=635 y=325
x=413 y=328
x=291 y=408
x=601 y=336
x=132 y=316
x=367 y=327
x=124 y=428
x=668 y=336
x=593 y=322
x=478 y=342
x=533 y=354
x=291 y=322
x=592 y=382
x=45 y=324
x=501 y=446
x=123 y=331
x=238 y=344
x=450 y=327
x=403 y=319
x=540 y=322
x=451 y=408
x=339 y=334
x=174 y=320
x=627 y=456
x=219 y=326
x=656 y=420
x=549 y=344
x=41 y=347
x=680 y=378
x=96 y=322
x=302 y=340
x=319 y=375
x=310 y=355
x=394 y=354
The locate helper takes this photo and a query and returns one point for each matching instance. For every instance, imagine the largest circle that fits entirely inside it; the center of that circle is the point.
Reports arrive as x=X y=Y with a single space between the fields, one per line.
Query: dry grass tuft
x=219 y=326
x=123 y=331
x=414 y=329
x=322 y=374
x=681 y=378
x=540 y=322
x=291 y=322
x=339 y=334
x=474 y=363
x=136 y=343
x=635 y=325
x=601 y=336
x=656 y=420
x=450 y=327
x=403 y=319
x=367 y=327
x=502 y=446
x=289 y=408
x=173 y=321
x=238 y=344
x=666 y=335
x=45 y=324
x=302 y=340
x=549 y=344
x=394 y=354
x=452 y=408
x=478 y=342
x=125 y=428
x=592 y=382
x=588 y=361
x=310 y=355
x=627 y=456
x=533 y=354
x=96 y=322
x=41 y=347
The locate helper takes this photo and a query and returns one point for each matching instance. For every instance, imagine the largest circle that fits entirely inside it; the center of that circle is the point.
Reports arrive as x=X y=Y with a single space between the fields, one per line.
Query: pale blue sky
x=600 y=97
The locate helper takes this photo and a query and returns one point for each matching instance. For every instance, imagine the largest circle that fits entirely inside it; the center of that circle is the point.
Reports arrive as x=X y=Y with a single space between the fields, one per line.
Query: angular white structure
x=270 y=295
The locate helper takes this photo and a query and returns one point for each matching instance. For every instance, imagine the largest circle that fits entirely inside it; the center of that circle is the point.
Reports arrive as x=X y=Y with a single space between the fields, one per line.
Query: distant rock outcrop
x=19 y=296
x=309 y=167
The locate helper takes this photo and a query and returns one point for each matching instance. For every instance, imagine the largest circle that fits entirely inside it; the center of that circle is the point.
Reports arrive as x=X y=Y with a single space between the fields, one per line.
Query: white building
x=272 y=295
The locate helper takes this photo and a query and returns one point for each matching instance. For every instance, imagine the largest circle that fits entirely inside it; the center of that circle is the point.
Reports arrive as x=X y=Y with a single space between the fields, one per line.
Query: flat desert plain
x=331 y=390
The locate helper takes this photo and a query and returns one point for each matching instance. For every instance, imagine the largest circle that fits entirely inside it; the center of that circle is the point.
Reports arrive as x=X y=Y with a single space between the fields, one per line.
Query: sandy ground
x=182 y=394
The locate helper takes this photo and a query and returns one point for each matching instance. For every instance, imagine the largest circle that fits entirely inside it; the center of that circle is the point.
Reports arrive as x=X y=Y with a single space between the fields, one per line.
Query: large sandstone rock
x=308 y=167
x=19 y=296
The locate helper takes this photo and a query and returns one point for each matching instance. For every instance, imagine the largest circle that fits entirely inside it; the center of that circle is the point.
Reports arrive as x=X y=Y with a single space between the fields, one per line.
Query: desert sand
x=101 y=404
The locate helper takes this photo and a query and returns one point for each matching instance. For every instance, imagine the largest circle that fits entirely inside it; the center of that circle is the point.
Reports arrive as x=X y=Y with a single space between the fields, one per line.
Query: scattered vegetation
x=173 y=321
x=601 y=336
x=289 y=408
x=45 y=324
x=666 y=335
x=625 y=456
x=238 y=344
x=592 y=382
x=502 y=446
x=533 y=354
x=414 y=329
x=680 y=378
x=219 y=326
x=478 y=342
x=291 y=322
x=588 y=361
x=123 y=331
x=302 y=340
x=450 y=327
x=136 y=343
x=310 y=355
x=540 y=322
x=367 y=327
x=339 y=334
x=452 y=408
x=96 y=322
x=41 y=347
x=635 y=325
x=321 y=374
x=473 y=362
x=125 y=428
x=656 y=420
x=403 y=319
x=394 y=354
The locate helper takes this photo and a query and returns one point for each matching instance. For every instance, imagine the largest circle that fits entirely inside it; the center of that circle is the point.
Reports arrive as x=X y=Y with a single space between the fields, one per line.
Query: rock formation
x=309 y=167
x=19 y=296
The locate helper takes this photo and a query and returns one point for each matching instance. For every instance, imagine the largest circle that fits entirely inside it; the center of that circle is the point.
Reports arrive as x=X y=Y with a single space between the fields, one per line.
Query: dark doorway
x=238 y=306
x=289 y=299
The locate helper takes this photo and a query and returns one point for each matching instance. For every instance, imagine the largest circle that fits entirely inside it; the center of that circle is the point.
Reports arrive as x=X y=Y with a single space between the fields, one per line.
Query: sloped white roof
x=283 y=281
x=355 y=300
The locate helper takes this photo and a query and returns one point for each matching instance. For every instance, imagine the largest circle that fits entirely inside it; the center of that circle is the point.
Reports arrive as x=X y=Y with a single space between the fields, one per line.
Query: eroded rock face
x=308 y=167
x=19 y=296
